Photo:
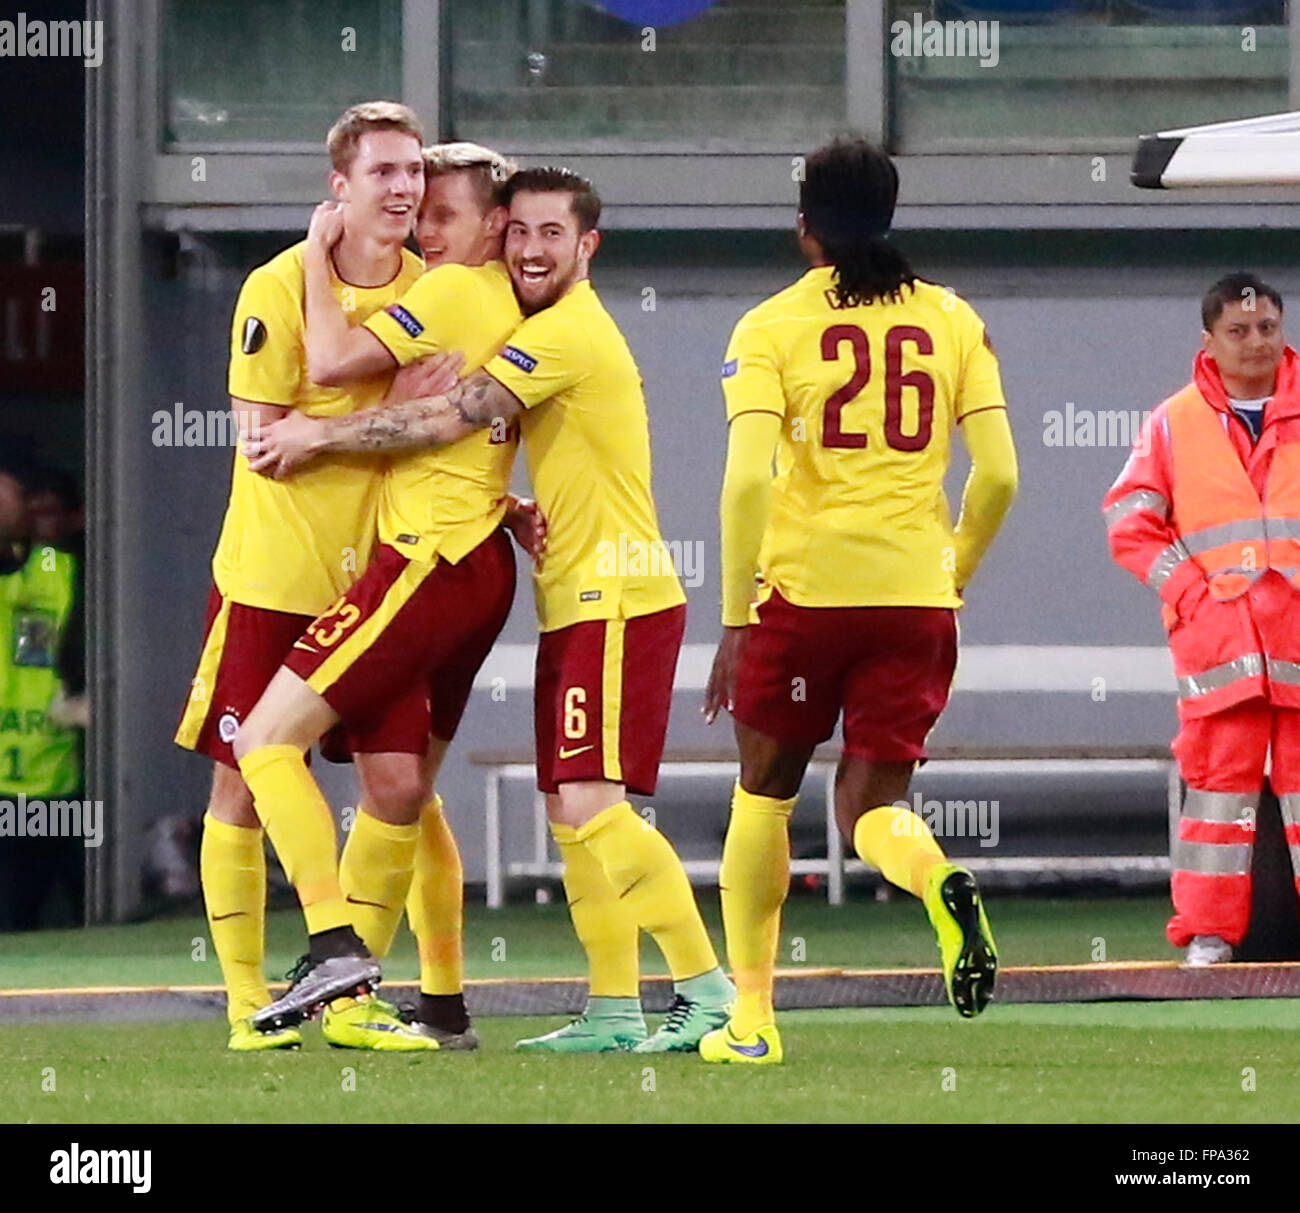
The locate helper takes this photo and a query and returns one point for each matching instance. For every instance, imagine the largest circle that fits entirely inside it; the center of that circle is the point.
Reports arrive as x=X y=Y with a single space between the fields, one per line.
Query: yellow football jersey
x=869 y=396
x=587 y=441
x=295 y=545
x=445 y=502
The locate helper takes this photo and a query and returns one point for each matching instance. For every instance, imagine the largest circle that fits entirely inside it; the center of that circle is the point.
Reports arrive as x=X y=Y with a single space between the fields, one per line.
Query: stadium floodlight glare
x=1247 y=151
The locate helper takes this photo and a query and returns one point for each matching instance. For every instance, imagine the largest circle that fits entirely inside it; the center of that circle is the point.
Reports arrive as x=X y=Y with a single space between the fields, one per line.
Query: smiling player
x=609 y=643
x=288 y=550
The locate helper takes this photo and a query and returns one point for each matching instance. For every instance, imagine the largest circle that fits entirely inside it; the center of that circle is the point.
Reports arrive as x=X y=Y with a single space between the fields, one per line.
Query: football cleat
x=966 y=949
x=450 y=1042
x=371 y=1023
x=315 y=984
x=591 y=1034
x=688 y=1022
x=453 y=1042
x=762 y=1047
x=244 y=1038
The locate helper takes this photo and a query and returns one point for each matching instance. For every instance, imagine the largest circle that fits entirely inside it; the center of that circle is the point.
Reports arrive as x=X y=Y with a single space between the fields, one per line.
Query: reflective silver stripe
x=1282 y=528
x=1164 y=564
x=1142 y=499
x=1226 y=808
x=1290 y=806
x=1284 y=671
x=1249 y=666
x=1212 y=858
x=1229 y=532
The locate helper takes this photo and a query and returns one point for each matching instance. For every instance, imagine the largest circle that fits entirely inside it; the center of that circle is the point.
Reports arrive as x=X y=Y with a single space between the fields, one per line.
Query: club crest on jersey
x=730 y=368
x=525 y=362
x=412 y=326
x=254 y=335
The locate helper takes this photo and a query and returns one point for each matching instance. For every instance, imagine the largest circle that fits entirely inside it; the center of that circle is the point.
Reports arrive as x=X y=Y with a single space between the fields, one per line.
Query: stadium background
x=203 y=157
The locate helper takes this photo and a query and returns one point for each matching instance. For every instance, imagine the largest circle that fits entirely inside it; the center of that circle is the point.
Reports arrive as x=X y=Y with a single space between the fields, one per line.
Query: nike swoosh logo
x=758 y=1050
x=232 y=914
x=582 y=749
x=298 y=644
x=356 y=901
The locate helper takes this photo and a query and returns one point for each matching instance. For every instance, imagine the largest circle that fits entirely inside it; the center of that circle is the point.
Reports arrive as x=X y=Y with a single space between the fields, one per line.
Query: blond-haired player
x=288 y=550
x=610 y=636
x=422 y=619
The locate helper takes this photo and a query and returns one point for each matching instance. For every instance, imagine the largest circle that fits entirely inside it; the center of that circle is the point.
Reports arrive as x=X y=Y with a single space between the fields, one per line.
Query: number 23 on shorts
x=327 y=630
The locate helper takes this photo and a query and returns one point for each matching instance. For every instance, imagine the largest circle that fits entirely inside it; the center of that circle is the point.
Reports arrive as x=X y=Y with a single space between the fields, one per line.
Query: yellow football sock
x=754 y=881
x=605 y=926
x=298 y=822
x=436 y=904
x=375 y=875
x=899 y=843
x=232 y=867
x=649 y=879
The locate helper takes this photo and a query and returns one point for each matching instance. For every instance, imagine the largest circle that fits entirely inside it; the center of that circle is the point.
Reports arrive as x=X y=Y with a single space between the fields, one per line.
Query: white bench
x=517 y=763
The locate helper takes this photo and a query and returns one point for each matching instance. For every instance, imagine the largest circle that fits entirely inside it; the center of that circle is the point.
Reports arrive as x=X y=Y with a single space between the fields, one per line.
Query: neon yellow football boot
x=762 y=1047
x=244 y=1038
x=966 y=949
x=371 y=1023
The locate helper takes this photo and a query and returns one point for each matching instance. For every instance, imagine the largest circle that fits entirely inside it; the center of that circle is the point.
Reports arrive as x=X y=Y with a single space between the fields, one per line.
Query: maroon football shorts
x=602 y=695
x=888 y=669
x=409 y=637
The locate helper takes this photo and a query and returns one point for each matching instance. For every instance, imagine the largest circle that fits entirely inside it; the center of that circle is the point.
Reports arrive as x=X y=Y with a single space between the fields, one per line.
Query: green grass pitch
x=1173 y=1062
x=1192 y=1062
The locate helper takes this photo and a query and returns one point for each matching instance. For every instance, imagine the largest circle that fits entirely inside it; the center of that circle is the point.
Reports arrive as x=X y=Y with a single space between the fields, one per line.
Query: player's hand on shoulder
x=721 y=692
x=326 y=227
x=282 y=447
x=435 y=375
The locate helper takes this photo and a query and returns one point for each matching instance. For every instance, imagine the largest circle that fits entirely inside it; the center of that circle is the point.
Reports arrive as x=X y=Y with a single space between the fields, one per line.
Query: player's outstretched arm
x=337 y=353
x=746 y=495
x=990 y=487
x=476 y=403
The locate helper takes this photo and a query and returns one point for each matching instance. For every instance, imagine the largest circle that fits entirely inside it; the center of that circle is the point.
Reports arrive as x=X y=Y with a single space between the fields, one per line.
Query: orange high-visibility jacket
x=1212 y=524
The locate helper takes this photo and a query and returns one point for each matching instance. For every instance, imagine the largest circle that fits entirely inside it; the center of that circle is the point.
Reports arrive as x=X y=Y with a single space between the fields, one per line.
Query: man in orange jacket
x=1207 y=513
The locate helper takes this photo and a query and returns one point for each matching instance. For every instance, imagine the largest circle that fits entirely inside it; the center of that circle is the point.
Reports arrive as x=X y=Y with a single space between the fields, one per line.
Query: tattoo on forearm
x=474 y=403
